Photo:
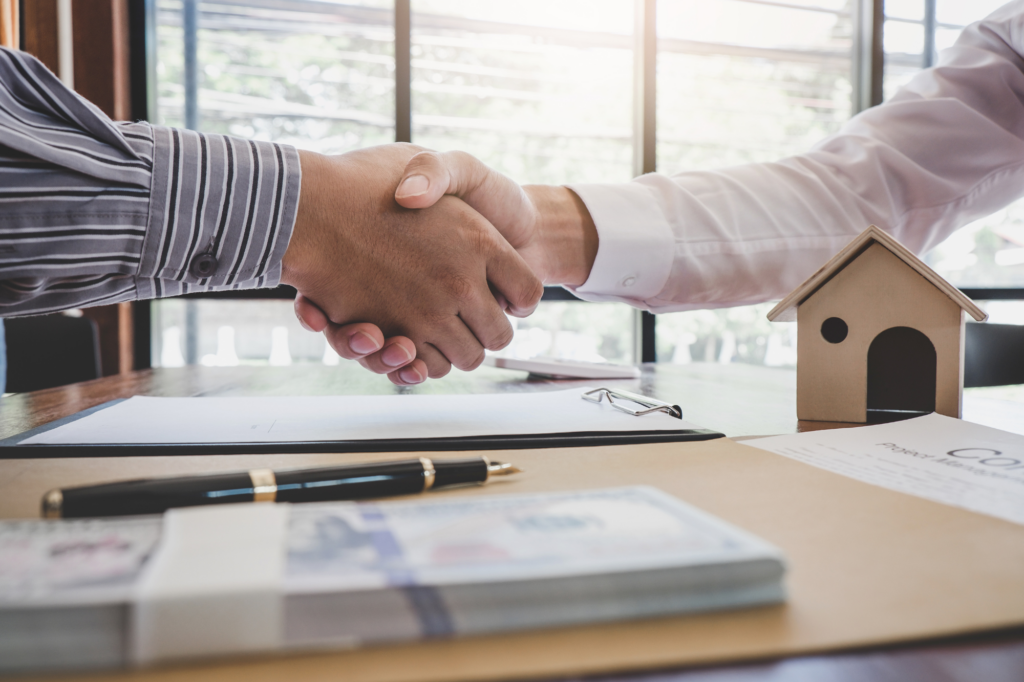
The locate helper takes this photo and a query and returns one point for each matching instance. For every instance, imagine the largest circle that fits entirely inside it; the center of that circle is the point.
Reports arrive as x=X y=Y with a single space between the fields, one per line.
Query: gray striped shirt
x=95 y=212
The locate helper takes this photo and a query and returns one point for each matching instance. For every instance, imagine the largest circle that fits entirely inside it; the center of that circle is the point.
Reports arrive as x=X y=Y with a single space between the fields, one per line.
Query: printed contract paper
x=938 y=458
x=333 y=418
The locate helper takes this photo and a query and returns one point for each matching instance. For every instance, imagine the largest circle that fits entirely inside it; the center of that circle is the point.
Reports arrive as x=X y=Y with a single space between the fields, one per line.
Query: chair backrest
x=50 y=350
x=993 y=354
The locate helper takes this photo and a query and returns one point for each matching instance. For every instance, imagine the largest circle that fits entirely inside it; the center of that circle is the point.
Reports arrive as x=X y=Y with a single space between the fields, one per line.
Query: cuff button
x=203 y=265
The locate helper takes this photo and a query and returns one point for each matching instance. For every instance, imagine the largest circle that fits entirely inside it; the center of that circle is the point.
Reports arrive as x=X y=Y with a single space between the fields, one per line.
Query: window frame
x=867 y=79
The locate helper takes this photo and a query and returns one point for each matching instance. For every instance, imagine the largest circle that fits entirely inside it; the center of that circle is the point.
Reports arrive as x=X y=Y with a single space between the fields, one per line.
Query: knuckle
x=374 y=365
x=439 y=371
x=425 y=161
x=471 y=362
x=501 y=339
x=459 y=287
x=529 y=293
x=464 y=160
x=534 y=292
x=341 y=348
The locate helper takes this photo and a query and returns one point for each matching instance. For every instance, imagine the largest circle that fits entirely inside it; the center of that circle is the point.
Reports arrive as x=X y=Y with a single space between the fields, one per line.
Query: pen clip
x=650 y=404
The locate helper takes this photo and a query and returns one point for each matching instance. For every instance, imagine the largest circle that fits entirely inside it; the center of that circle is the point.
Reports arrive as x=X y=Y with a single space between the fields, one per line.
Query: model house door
x=901 y=375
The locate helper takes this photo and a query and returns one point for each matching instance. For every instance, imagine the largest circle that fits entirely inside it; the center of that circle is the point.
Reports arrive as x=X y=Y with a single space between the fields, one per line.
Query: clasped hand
x=410 y=281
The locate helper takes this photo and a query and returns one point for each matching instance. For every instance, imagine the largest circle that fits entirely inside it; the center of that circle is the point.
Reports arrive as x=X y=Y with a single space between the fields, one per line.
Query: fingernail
x=363 y=343
x=413 y=186
x=411 y=375
x=395 y=355
x=305 y=326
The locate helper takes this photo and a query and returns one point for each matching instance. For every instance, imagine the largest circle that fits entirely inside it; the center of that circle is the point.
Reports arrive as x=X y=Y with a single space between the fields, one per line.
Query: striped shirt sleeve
x=95 y=212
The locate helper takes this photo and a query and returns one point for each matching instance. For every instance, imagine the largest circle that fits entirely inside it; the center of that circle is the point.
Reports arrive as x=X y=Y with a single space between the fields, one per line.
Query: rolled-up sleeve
x=95 y=212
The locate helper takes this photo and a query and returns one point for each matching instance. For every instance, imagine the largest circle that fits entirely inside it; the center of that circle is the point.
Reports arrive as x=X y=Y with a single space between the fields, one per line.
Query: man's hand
x=365 y=343
x=548 y=225
x=433 y=276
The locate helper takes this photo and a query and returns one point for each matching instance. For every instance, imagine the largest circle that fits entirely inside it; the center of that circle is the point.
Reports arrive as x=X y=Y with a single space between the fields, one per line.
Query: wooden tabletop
x=738 y=400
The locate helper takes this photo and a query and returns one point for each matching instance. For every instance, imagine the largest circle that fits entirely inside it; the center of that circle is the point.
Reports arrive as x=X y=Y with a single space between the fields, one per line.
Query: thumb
x=426 y=179
x=430 y=175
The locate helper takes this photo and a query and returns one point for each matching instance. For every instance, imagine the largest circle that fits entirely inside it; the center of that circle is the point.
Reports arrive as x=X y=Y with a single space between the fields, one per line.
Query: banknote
x=74 y=561
x=73 y=593
x=352 y=546
x=501 y=537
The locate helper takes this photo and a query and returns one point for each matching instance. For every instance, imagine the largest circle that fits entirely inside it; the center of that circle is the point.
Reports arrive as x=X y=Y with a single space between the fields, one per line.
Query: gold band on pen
x=264 y=485
x=429 y=473
x=53 y=504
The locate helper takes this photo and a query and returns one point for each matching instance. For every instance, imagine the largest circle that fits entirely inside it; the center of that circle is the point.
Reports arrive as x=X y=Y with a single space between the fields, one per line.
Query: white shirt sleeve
x=947 y=149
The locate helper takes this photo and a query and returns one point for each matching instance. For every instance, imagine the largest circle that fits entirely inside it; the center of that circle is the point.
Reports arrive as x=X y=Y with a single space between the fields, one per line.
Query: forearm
x=323 y=201
x=96 y=212
x=567 y=235
x=946 y=150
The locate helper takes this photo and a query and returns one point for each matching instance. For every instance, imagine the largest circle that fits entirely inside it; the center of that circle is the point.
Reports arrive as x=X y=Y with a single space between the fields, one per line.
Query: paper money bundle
x=86 y=594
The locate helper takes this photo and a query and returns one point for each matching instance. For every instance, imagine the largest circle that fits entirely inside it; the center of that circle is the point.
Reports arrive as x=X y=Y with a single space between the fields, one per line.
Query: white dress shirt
x=947 y=149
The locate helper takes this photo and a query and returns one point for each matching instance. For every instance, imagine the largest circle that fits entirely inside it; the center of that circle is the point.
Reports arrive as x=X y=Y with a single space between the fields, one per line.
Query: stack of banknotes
x=355 y=574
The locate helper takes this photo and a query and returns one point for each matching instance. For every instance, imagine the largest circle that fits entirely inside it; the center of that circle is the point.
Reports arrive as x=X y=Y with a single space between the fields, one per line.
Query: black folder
x=15 y=447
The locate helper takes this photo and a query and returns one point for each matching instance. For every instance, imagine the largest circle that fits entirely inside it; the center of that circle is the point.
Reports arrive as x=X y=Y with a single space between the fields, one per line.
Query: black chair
x=993 y=355
x=50 y=350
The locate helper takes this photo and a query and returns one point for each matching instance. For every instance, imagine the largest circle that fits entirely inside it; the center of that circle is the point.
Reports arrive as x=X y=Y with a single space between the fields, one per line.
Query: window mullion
x=403 y=71
x=868 y=55
x=189 y=24
x=930 y=24
x=645 y=60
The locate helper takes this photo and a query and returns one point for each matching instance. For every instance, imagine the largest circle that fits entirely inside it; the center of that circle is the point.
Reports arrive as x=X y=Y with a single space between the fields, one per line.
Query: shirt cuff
x=221 y=210
x=634 y=253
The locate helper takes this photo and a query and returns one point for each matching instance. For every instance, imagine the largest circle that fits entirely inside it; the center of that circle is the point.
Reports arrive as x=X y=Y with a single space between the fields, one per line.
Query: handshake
x=408 y=259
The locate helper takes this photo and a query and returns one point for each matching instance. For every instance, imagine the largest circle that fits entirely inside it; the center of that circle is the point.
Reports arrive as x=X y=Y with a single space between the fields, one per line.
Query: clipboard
x=613 y=402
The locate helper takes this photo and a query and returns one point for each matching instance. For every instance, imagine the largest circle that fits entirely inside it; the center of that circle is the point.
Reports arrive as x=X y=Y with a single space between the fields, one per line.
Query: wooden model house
x=880 y=335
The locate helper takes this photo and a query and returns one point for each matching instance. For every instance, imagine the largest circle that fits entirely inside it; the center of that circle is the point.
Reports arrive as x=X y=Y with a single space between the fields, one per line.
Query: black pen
x=348 y=482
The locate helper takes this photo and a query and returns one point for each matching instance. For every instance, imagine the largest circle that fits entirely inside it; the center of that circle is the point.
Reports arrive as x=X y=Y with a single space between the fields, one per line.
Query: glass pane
x=963 y=12
x=225 y=333
x=741 y=334
x=903 y=42
x=591 y=332
x=741 y=82
x=905 y=9
x=316 y=75
x=540 y=90
x=989 y=252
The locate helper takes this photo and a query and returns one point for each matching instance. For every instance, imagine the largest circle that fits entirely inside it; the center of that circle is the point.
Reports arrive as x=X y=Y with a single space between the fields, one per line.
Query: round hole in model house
x=834 y=330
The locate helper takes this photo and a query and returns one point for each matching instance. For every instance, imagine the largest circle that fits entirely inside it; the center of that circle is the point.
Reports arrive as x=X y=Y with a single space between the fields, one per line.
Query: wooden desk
x=738 y=400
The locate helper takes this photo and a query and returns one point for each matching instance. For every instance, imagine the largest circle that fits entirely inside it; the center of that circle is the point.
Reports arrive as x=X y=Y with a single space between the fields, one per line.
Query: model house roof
x=786 y=309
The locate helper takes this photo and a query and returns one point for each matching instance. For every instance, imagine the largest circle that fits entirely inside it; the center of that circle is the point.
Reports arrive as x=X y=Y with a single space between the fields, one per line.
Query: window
x=744 y=81
x=317 y=75
x=540 y=90
x=807 y=97
x=989 y=253
x=544 y=91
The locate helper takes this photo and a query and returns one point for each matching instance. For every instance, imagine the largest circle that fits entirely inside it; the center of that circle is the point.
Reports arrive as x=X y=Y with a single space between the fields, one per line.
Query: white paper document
x=938 y=458
x=334 y=418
